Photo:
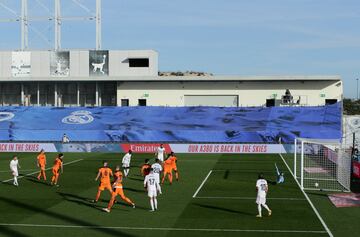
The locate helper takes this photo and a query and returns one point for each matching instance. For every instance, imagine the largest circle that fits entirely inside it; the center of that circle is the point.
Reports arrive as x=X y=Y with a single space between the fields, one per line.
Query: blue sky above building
x=233 y=37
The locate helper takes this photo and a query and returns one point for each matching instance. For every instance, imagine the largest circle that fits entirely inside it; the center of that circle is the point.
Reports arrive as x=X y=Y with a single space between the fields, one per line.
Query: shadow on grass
x=8 y=183
x=136 y=179
x=226 y=174
x=135 y=190
x=35 y=180
x=223 y=209
x=122 y=203
x=6 y=231
x=318 y=194
x=79 y=200
x=61 y=217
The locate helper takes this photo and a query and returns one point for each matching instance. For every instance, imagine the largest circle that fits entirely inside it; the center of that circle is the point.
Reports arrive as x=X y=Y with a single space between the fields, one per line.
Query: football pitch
x=215 y=196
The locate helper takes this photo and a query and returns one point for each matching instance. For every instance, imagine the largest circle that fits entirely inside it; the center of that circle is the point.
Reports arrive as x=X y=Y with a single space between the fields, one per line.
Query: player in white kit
x=262 y=189
x=14 y=165
x=151 y=184
x=126 y=162
x=160 y=153
x=157 y=169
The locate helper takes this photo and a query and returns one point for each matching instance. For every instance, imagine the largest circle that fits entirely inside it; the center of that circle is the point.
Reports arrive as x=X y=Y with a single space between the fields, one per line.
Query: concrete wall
x=5 y=64
x=119 y=63
x=249 y=93
x=79 y=63
x=40 y=64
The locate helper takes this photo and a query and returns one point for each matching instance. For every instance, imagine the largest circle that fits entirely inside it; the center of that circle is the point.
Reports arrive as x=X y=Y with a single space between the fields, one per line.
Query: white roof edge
x=178 y=78
x=259 y=78
x=79 y=49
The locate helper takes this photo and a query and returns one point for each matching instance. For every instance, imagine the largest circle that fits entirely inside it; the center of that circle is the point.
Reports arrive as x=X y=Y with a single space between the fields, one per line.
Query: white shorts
x=260 y=200
x=160 y=157
x=157 y=177
x=15 y=173
x=125 y=165
x=152 y=193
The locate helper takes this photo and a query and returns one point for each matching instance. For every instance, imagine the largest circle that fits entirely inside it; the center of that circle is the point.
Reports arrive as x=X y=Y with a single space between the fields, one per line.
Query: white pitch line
x=71 y=162
x=9 y=171
x=253 y=198
x=202 y=184
x=243 y=170
x=164 y=228
x=308 y=199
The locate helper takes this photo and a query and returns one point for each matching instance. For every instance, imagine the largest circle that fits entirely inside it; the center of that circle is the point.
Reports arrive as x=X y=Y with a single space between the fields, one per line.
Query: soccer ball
x=316 y=185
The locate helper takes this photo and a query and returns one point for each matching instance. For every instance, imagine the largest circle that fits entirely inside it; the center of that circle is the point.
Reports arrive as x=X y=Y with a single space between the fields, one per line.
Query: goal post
x=322 y=165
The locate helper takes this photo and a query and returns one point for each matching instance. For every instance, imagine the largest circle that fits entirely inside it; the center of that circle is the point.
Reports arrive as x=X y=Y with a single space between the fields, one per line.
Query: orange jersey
x=41 y=158
x=105 y=174
x=57 y=163
x=145 y=169
x=173 y=160
x=167 y=165
x=118 y=179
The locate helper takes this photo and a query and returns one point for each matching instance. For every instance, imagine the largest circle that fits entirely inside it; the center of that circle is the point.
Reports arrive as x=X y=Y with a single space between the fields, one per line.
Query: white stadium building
x=67 y=77
x=130 y=78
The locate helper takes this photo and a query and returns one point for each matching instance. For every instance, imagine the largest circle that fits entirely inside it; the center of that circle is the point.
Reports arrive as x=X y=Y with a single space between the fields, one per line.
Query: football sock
x=266 y=207
x=152 y=204
x=155 y=203
x=259 y=209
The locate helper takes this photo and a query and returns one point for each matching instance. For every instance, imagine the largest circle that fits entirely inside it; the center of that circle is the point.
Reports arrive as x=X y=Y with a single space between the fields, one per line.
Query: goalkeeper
x=279 y=175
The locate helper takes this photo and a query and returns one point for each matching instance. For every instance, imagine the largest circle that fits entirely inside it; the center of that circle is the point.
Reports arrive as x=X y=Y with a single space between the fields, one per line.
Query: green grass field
x=214 y=197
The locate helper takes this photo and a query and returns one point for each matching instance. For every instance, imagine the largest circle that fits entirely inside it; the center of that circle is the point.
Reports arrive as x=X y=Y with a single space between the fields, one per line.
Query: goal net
x=322 y=165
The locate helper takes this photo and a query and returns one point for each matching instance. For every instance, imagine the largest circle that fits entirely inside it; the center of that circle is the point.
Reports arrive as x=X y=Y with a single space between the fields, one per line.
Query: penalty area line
x=308 y=199
x=163 y=228
x=253 y=198
x=22 y=176
x=202 y=184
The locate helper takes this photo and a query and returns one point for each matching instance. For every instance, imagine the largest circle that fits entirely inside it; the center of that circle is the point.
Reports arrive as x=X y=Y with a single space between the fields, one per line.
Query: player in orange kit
x=173 y=158
x=58 y=165
x=167 y=170
x=41 y=163
x=145 y=168
x=118 y=190
x=104 y=174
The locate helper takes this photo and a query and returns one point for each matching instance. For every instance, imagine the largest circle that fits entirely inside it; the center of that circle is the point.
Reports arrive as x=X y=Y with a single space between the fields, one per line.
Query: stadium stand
x=172 y=124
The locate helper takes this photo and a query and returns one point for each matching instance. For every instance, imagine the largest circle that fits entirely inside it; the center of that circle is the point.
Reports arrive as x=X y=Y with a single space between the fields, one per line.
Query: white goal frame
x=322 y=165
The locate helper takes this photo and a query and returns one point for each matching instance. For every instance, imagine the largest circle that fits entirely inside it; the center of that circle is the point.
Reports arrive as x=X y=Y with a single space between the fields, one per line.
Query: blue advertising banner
x=170 y=124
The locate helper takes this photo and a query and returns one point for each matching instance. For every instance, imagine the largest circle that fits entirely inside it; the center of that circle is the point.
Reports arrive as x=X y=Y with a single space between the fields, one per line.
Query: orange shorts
x=174 y=167
x=104 y=186
x=167 y=171
x=42 y=166
x=118 y=191
x=55 y=171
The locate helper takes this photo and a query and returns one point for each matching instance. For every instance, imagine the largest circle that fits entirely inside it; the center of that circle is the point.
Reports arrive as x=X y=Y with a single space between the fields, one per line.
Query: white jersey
x=157 y=168
x=14 y=166
x=65 y=139
x=262 y=187
x=152 y=184
x=126 y=159
x=160 y=153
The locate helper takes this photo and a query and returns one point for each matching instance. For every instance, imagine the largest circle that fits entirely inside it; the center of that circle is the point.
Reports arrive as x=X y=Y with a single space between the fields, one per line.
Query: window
x=270 y=102
x=330 y=101
x=138 y=62
x=107 y=92
x=142 y=102
x=124 y=102
x=87 y=94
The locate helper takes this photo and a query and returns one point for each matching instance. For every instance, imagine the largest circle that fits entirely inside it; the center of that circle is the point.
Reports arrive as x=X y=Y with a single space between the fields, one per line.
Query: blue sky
x=234 y=37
